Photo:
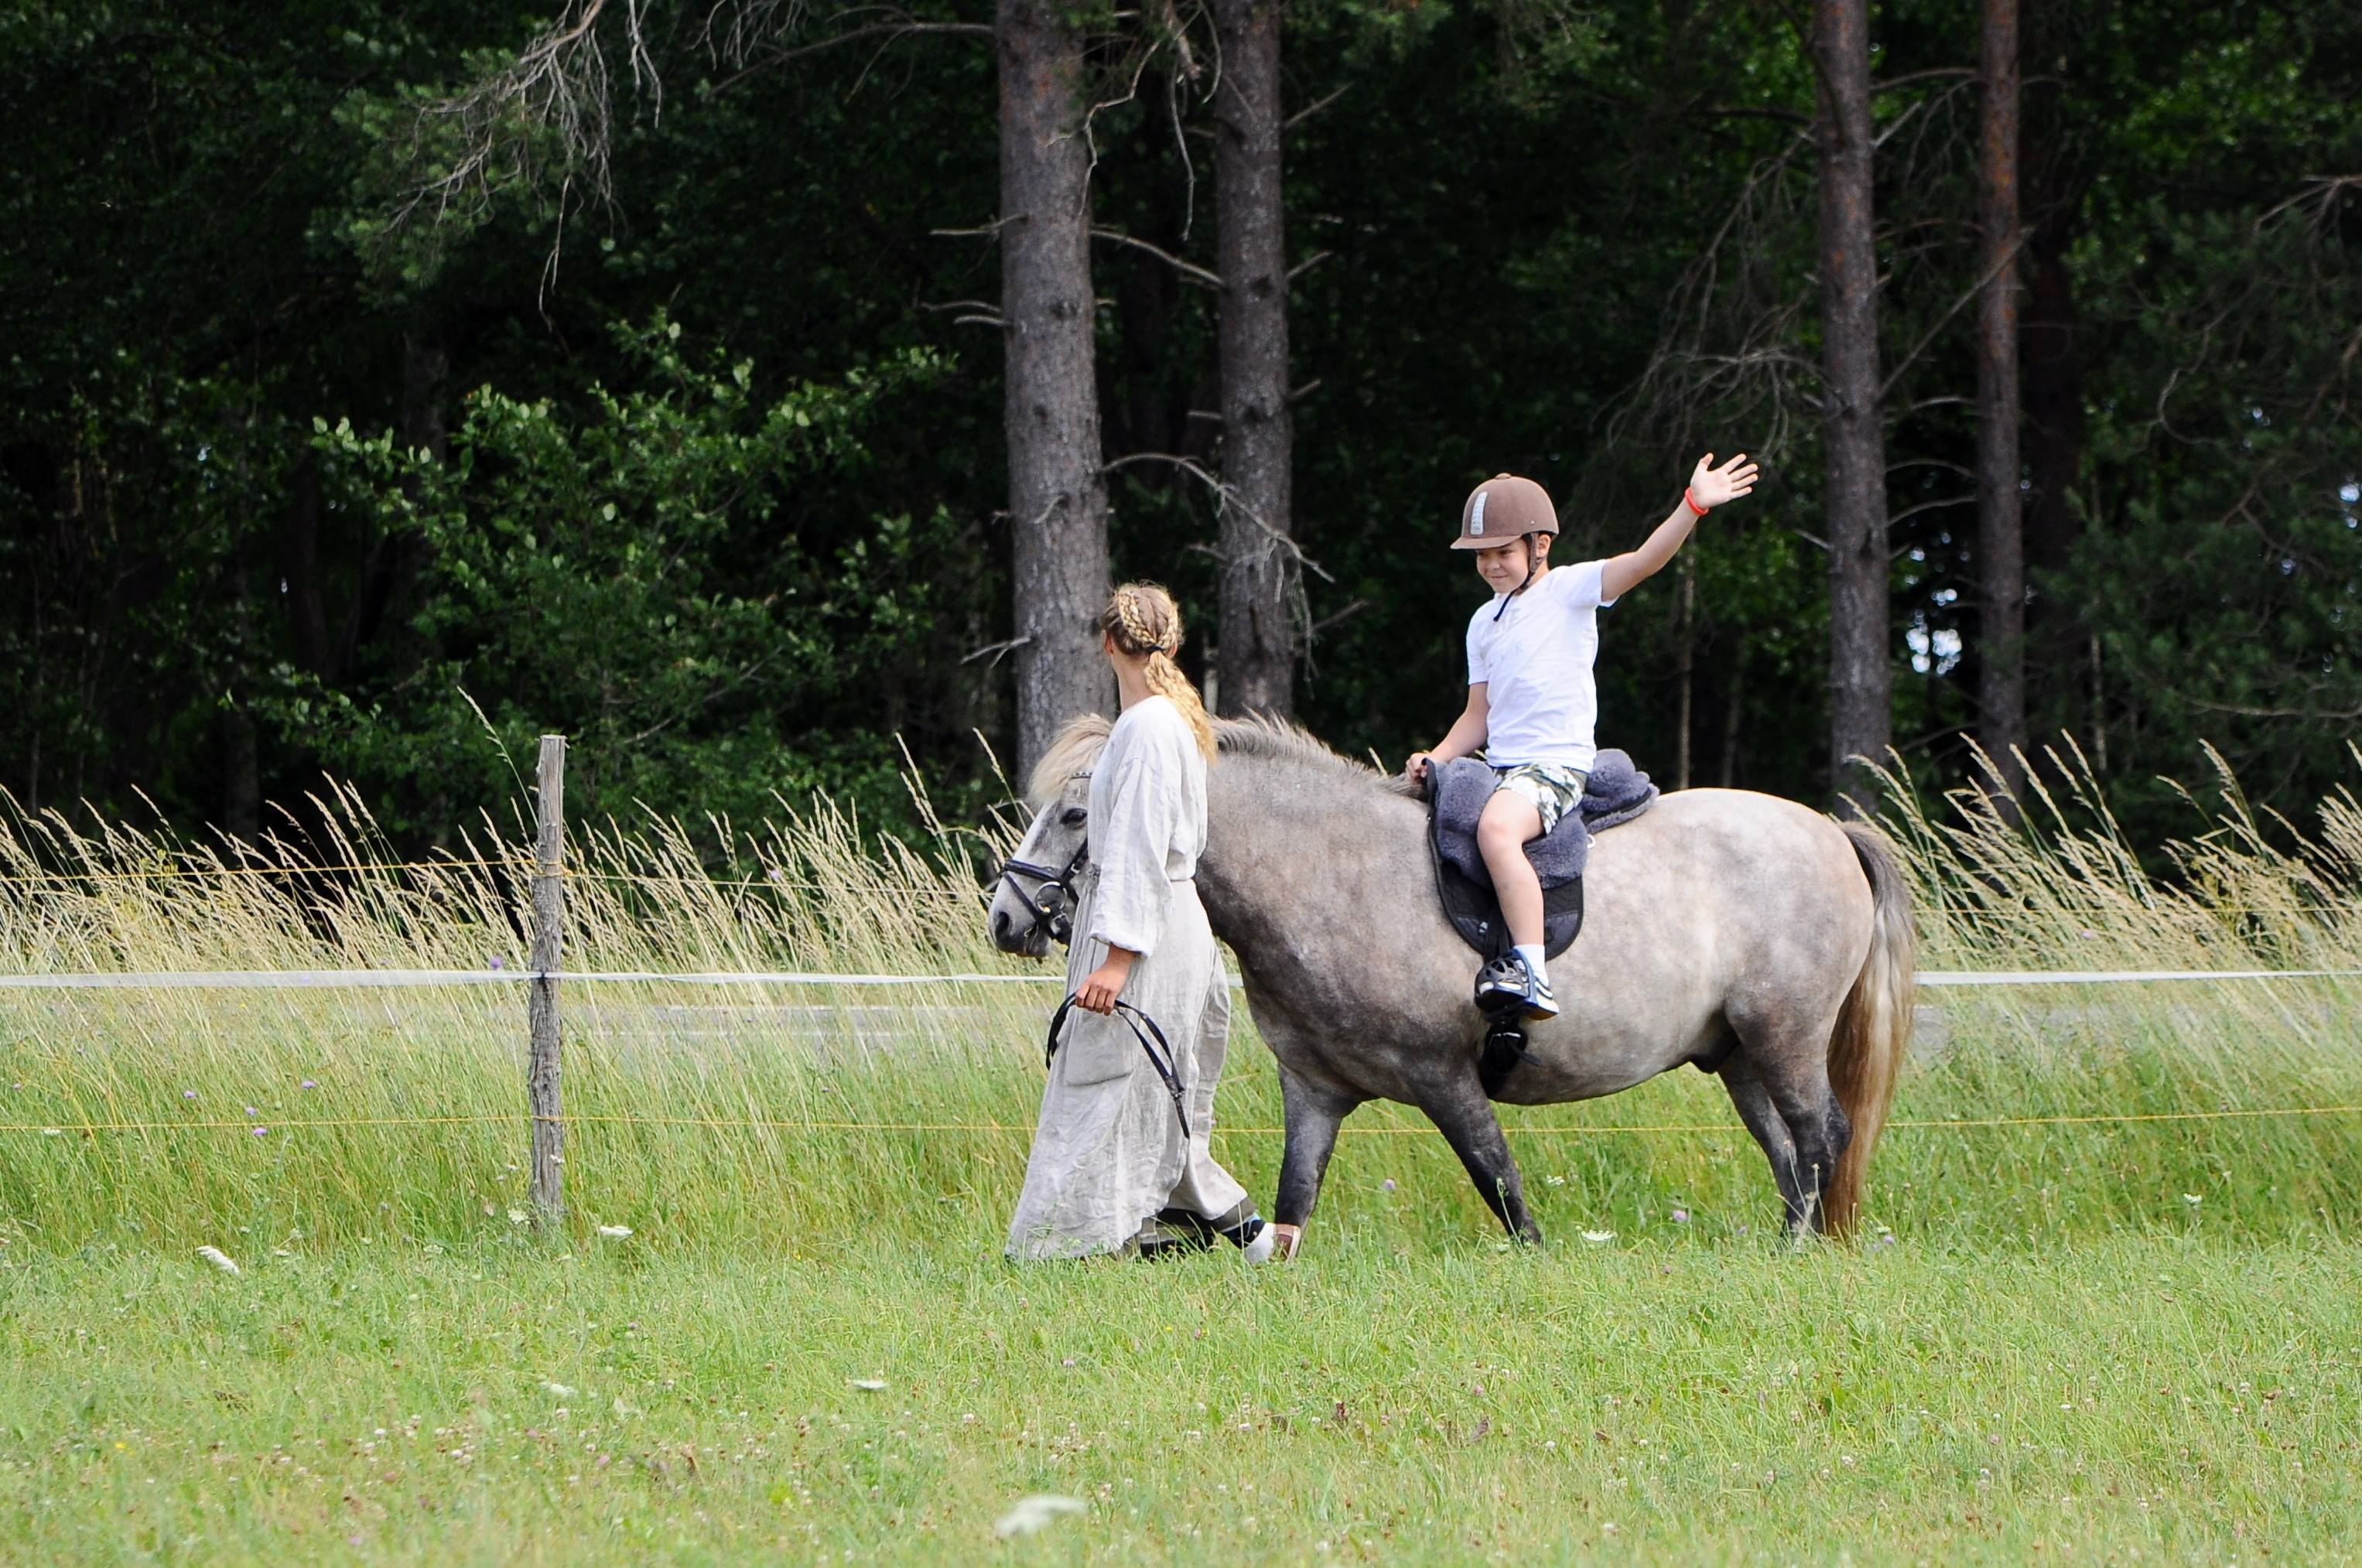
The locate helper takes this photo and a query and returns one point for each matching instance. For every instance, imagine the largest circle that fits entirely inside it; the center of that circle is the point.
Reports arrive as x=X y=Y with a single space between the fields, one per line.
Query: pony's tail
x=1874 y=1026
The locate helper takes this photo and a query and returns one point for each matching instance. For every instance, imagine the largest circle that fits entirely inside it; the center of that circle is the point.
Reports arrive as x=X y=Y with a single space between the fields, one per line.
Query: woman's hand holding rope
x=1103 y=985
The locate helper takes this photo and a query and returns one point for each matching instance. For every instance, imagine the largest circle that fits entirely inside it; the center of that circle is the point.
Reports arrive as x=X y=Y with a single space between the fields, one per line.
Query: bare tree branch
x=1187 y=268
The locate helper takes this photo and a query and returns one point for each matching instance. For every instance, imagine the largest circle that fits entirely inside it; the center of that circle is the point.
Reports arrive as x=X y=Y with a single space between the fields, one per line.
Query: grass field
x=2106 y=1306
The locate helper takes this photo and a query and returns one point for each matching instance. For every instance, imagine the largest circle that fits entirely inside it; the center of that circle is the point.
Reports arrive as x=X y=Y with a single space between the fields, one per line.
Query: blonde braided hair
x=1142 y=619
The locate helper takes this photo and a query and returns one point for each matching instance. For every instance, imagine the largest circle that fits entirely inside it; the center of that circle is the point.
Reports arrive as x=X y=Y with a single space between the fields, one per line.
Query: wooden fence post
x=541 y=1009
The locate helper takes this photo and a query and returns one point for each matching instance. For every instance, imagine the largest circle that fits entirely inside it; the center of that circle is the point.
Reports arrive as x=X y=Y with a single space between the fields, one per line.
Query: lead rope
x=1143 y=1028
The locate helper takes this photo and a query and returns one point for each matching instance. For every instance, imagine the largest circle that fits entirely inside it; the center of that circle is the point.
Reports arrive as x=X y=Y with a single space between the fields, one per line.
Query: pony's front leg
x=1463 y=1113
x=1313 y=1115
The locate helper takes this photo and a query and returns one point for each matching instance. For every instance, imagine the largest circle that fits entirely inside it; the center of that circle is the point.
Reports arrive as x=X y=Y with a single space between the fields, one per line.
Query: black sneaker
x=1174 y=1232
x=1508 y=984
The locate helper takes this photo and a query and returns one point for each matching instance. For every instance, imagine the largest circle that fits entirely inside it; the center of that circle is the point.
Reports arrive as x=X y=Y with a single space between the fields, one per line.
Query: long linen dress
x=1108 y=1152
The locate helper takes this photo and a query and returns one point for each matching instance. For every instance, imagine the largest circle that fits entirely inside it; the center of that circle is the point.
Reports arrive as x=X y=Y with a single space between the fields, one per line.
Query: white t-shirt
x=1535 y=666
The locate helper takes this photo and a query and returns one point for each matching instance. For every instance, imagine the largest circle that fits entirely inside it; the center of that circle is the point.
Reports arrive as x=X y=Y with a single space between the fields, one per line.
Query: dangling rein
x=1143 y=1028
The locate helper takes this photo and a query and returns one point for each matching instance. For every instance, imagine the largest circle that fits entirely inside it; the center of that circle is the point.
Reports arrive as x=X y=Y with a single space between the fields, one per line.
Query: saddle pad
x=1616 y=792
x=1476 y=913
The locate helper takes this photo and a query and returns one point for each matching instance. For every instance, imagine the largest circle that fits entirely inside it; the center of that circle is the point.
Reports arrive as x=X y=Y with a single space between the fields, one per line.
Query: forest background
x=692 y=449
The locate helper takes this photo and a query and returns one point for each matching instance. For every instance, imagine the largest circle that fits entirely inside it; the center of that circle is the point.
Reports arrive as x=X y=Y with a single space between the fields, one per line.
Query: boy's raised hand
x=1712 y=487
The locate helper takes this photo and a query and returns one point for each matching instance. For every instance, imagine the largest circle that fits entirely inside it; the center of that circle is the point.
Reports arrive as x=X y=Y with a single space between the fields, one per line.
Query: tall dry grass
x=791 y=1118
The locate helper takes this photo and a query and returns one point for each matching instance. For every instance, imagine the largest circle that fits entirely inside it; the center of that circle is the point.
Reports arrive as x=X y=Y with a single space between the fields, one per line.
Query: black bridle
x=1054 y=916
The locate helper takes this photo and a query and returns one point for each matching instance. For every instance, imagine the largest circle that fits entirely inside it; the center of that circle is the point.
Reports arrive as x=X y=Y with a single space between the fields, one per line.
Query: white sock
x=1531 y=952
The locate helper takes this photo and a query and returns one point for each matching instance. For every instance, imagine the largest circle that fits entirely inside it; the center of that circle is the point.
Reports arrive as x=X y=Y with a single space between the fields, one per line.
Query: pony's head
x=1034 y=903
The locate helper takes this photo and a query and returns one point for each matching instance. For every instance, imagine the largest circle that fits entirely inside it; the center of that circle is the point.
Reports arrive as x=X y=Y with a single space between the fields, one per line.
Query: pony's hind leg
x=1794 y=1116
x=1314 y=1113
x=1464 y=1116
x=1753 y=1103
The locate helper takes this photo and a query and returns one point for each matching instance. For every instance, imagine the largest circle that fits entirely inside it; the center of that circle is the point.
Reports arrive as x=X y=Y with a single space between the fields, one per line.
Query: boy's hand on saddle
x=1712 y=487
x=1100 y=988
x=1415 y=770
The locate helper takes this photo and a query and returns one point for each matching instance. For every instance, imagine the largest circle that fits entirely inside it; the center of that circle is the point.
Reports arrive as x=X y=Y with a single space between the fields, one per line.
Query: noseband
x=1056 y=916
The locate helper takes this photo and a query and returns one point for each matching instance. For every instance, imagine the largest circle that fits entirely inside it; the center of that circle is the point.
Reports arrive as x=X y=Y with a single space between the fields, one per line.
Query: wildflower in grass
x=261 y=1131
x=1595 y=1237
x=1681 y=1216
x=499 y=962
x=1036 y=1512
x=252 y=1111
x=872 y=1385
x=219 y=1259
x=188 y=1094
x=53 y=1131
x=616 y=1233
x=518 y=1215
x=1388 y=1184
x=1555 y=1180
x=560 y=1390
x=2192 y=1199
x=309 y=1084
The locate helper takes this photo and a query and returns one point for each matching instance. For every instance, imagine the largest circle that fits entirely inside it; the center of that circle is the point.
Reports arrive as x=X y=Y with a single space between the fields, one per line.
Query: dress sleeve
x=1129 y=845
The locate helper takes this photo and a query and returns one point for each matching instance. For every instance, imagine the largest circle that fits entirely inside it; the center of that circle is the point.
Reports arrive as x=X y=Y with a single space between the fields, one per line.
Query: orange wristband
x=1691 y=502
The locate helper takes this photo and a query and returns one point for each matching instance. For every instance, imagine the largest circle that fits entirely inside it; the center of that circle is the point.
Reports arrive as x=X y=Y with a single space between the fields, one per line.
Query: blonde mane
x=1076 y=750
x=1272 y=740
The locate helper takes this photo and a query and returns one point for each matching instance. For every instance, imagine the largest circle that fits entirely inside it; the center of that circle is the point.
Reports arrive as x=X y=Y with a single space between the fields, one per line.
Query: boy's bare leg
x=1509 y=821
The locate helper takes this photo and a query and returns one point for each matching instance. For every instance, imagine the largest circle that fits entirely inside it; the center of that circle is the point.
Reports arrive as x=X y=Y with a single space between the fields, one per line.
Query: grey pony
x=1743 y=933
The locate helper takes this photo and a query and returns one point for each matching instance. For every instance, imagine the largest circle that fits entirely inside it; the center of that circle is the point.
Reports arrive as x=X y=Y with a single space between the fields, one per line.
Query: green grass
x=2142 y=1399
x=2100 y=1308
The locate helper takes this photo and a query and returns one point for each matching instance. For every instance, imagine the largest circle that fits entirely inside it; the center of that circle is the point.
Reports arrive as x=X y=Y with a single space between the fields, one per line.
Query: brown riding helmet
x=1502 y=510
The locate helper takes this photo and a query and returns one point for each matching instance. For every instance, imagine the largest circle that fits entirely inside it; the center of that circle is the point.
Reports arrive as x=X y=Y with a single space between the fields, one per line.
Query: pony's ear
x=1076 y=750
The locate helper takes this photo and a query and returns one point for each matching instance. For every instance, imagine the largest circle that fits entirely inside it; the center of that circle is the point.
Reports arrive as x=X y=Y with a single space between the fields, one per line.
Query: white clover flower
x=2192 y=1199
x=219 y=1259
x=518 y=1217
x=1595 y=1237
x=560 y=1390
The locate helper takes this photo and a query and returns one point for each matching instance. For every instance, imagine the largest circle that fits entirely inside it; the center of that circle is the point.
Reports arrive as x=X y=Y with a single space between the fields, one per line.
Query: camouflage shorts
x=1552 y=789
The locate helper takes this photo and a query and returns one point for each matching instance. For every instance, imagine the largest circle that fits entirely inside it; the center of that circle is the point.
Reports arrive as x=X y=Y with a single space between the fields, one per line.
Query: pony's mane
x=1272 y=740
x=1277 y=740
x=1077 y=747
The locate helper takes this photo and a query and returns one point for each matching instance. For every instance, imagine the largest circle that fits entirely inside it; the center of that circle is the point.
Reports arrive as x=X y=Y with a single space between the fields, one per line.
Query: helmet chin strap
x=1532 y=561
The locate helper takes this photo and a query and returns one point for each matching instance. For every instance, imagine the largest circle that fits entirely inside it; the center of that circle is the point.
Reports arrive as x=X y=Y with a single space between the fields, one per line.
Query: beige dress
x=1108 y=1151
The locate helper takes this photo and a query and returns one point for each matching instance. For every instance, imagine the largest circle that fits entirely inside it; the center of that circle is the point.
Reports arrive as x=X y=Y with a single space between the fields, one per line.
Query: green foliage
x=1575 y=242
x=632 y=577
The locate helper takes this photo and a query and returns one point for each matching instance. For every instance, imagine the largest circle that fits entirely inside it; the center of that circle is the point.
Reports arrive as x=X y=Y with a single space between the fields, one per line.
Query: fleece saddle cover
x=1457 y=791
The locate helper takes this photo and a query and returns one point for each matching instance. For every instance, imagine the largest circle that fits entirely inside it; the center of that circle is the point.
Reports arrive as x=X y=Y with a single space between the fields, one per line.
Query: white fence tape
x=377 y=979
x=2117 y=976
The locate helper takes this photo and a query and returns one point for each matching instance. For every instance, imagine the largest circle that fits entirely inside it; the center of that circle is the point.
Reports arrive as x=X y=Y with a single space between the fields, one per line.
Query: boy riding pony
x=1531 y=700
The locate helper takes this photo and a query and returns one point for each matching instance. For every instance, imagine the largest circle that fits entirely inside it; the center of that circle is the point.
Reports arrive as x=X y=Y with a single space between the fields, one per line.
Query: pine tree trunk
x=2001 y=507
x=1058 y=493
x=1258 y=639
x=1853 y=431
